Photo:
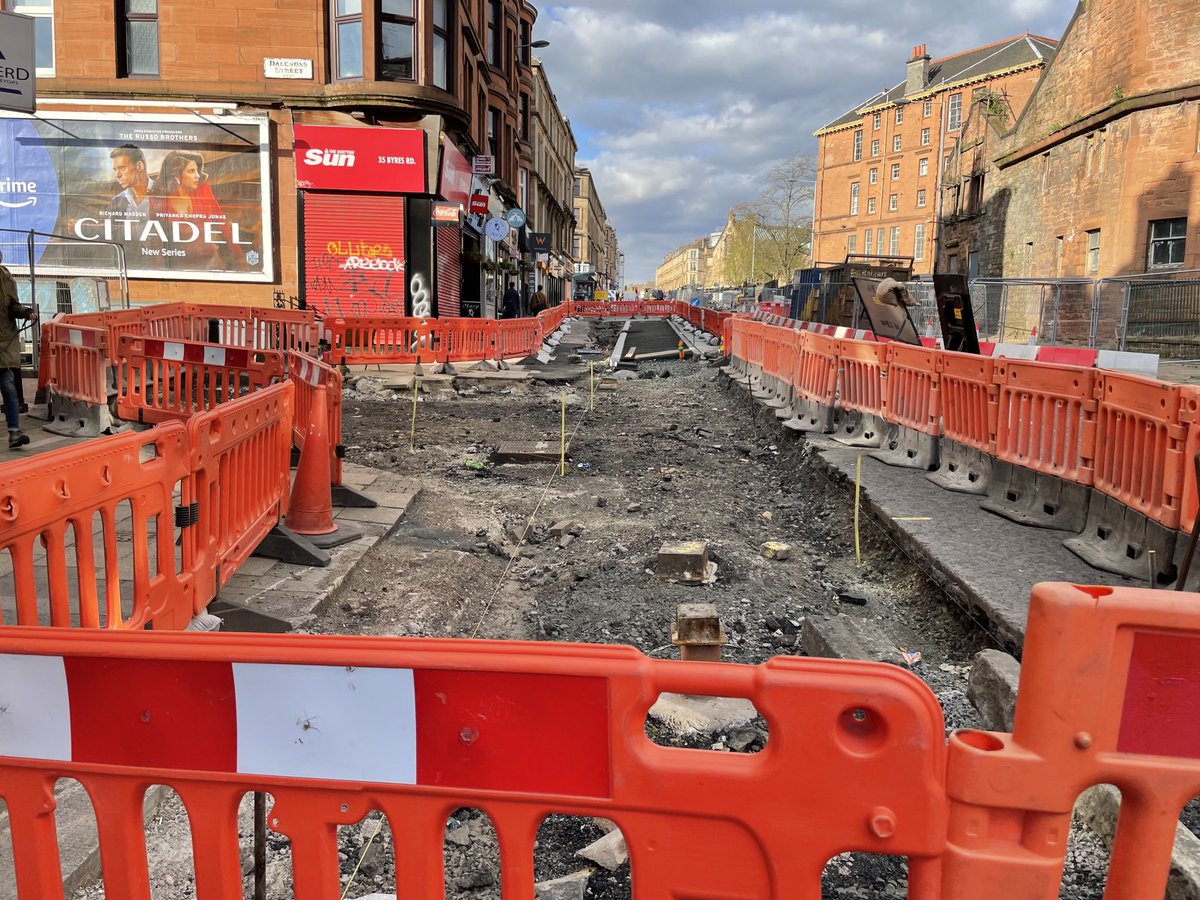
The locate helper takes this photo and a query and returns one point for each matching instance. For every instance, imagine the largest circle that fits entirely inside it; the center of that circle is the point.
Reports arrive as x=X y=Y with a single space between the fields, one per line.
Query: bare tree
x=772 y=234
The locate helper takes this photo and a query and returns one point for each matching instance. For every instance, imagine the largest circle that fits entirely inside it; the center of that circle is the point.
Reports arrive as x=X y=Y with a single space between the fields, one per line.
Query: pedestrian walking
x=538 y=302
x=10 y=355
x=512 y=302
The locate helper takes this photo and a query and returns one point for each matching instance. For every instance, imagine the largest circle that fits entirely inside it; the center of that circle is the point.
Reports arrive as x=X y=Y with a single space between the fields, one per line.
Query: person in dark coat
x=512 y=302
x=10 y=355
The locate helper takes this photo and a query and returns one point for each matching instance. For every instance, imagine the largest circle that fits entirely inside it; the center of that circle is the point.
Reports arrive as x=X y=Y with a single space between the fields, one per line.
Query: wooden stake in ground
x=857 y=496
x=592 y=387
x=412 y=434
x=562 y=464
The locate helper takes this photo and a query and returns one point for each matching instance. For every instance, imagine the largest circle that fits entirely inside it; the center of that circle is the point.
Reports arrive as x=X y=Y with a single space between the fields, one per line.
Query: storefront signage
x=484 y=165
x=185 y=199
x=516 y=217
x=479 y=204
x=497 y=229
x=539 y=242
x=17 y=64
x=382 y=160
x=286 y=67
x=455 y=182
x=447 y=214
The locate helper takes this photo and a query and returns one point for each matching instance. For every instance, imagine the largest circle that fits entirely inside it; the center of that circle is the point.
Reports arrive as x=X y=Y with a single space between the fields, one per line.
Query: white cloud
x=681 y=106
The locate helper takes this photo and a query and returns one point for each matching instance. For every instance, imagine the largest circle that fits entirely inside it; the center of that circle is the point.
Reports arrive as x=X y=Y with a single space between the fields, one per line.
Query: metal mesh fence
x=62 y=274
x=1162 y=315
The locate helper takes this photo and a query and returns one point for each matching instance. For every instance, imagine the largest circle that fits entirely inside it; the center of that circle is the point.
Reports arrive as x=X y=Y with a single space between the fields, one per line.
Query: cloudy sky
x=679 y=106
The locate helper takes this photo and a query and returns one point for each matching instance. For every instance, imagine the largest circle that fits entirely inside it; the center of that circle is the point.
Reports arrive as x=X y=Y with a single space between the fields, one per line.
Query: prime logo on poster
x=185 y=199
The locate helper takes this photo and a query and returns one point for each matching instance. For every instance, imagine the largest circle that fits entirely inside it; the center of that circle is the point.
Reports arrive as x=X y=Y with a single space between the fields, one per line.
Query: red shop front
x=354 y=185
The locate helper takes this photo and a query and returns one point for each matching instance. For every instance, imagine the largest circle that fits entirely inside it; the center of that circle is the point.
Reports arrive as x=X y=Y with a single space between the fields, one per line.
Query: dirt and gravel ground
x=670 y=455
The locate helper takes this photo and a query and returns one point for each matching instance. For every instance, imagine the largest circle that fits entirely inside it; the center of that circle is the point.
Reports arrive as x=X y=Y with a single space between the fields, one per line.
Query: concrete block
x=685 y=714
x=569 y=887
x=609 y=852
x=992 y=688
x=683 y=561
x=775 y=550
x=844 y=637
x=1099 y=808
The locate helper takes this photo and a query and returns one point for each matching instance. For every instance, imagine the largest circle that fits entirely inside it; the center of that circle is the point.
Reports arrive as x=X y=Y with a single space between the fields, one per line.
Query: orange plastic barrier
x=334 y=728
x=364 y=340
x=817 y=373
x=590 y=309
x=76 y=361
x=1108 y=694
x=284 y=330
x=778 y=360
x=60 y=513
x=914 y=398
x=662 y=308
x=863 y=376
x=241 y=465
x=115 y=322
x=1046 y=420
x=1140 y=445
x=970 y=400
x=160 y=380
x=1189 y=415
x=307 y=374
x=517 y=337
x=466 y=340
x=625 y=308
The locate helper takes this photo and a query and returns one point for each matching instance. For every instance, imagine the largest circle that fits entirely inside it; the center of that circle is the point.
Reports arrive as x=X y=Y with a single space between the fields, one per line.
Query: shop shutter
x=354 y=254
x=449 y=271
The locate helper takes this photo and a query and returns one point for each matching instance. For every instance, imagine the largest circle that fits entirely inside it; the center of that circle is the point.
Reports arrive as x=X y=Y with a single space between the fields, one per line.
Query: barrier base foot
x=349 y=498
x=907 y=448
x=285 y=545
x=343 y=535
x=962 y=469
x=1118 y=539
x=859 y=429
x=240 y=618
x=811 y=418
x=1032 y=498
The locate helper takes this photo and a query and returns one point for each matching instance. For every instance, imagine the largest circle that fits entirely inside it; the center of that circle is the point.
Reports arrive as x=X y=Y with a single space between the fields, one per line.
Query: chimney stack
x=918 y=71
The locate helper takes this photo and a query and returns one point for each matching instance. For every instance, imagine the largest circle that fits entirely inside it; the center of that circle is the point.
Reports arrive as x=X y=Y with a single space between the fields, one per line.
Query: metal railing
x=58 y=269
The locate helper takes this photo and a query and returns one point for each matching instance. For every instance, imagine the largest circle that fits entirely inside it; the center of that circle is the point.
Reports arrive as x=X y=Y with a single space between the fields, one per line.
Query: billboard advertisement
x=187 y=197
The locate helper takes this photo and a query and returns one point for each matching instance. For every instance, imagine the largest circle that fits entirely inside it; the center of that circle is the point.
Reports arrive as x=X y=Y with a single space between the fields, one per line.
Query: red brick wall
x=1114 y=49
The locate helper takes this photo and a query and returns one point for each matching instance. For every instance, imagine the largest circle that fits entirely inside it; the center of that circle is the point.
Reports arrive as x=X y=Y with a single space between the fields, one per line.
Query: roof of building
x=1013 y=53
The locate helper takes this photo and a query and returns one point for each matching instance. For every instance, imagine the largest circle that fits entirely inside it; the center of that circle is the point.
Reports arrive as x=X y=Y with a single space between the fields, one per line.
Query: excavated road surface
x=668 y=455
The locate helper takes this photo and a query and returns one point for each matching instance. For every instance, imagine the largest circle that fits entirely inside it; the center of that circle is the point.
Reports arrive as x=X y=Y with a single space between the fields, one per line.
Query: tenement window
x=442 y=30
x=347 y=42
x=955 y=114
x=858 y=145
x=397 y=30
x=1168 y=240
x=42 y=12
x=1093 y=252
x=140 y=38
x=854 y=199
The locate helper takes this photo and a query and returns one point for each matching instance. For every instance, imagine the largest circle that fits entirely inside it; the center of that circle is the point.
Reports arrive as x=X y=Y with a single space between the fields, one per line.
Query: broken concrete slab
x=686 y=714
x=683 y=561
x=569 y=887
x=566 y=526
x=844 y=637
x=992 y=688
x=609 y=852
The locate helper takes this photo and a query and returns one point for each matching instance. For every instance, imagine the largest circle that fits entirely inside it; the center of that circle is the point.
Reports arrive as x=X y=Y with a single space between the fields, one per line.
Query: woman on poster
x=181 y=192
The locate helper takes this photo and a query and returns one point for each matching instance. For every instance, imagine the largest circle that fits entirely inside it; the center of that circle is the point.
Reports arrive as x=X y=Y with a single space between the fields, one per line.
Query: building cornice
x=1099 y=119
x=922 y=96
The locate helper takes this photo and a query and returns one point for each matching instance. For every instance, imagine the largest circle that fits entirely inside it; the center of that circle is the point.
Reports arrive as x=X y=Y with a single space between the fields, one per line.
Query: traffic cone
x=310 y=510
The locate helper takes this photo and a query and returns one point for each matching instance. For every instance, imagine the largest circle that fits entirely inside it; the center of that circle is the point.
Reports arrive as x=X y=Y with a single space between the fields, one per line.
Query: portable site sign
x=17 y=66
x=888 y=320
x=955 y=313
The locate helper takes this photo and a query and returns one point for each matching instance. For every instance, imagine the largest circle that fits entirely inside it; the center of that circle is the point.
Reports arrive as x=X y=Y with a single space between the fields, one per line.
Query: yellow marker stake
x=857 y=494
x=562 y=469
x=412 y=434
